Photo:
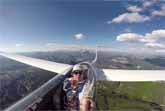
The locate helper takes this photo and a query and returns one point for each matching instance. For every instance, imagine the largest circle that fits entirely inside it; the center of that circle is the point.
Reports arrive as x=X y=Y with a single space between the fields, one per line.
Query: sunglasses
x=77 y=72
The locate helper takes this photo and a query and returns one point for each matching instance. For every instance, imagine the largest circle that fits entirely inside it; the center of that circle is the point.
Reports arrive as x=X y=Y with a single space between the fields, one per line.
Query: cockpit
x=54 y=99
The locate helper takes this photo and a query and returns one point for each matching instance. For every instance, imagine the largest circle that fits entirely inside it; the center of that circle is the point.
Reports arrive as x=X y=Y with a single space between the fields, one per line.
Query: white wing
x=131 y=75
x=42 y=64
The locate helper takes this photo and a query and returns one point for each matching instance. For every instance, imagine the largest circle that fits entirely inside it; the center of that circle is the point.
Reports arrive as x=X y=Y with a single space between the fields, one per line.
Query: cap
x=77 y=67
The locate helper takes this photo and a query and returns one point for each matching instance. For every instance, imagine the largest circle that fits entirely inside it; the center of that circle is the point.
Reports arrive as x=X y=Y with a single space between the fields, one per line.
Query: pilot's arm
x=86 y=98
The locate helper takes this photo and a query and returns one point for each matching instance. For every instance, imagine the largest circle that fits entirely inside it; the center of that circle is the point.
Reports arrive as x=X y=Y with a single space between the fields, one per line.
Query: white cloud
x=133 y=14
x=148 y=3
x=150 y=40
x=127 y=30
x=130 y=18
x=19 y=45
x=79 y=36
x=147 y=38
x=51 y=44
x=57 y=46
x=155 y=45
x=160 y=50
x=134 y=9
x=156 y=34
x=160 y=12
x=163 y=7
x=129 y=37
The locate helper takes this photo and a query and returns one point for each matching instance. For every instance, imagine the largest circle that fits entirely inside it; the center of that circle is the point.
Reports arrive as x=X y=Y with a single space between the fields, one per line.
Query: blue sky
x=27 y=24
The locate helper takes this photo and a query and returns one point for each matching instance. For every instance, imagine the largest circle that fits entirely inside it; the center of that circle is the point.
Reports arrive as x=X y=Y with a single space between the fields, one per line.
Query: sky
x=43 y=25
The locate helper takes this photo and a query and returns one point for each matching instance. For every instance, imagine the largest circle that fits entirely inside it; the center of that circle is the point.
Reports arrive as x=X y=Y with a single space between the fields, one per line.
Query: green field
x=135 y=96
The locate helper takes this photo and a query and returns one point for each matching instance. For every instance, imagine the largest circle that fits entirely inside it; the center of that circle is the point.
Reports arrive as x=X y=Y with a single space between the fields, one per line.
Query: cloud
x=155 y=35
x=148 y=3
x=127 y=30
x=133 y=14
x=155 y=45
x=160 y=50
x=130 y=18
x=57 y=45
x=147 y=38
x=19 y=45
x=150 y=40
x=129 y=37
x=79 y=36
x=134 y=9
x=134 y=37
x=65 y=46
x=160 y=12
x=51 y=44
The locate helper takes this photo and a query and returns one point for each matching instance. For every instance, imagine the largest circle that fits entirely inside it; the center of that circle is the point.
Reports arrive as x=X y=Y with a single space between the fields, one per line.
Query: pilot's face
x=77 y=75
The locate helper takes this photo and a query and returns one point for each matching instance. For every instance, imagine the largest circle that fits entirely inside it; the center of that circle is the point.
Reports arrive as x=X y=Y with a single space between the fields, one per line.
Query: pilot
x=73 y=88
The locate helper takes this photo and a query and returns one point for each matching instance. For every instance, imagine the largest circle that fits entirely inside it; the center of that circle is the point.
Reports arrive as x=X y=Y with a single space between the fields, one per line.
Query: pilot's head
x=77 y=71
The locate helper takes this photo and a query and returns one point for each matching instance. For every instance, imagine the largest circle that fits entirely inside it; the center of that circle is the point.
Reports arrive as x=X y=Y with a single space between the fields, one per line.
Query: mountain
x=17 y=80
x=158 y=60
